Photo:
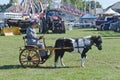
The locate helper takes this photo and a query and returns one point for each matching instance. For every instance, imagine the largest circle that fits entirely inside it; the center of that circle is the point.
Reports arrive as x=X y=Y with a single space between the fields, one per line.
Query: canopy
x=110 y=11
x=88 y=16
x=117 y=14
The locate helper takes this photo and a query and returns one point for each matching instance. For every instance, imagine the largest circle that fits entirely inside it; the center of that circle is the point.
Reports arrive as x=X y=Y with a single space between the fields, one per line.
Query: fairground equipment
x=20 y=14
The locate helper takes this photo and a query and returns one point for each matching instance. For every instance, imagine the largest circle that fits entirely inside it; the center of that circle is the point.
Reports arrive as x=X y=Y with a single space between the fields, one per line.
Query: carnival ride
x=30 y=10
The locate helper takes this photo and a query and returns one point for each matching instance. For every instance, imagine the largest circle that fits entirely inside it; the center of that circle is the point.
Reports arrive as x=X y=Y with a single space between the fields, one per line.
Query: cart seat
x=30 y=46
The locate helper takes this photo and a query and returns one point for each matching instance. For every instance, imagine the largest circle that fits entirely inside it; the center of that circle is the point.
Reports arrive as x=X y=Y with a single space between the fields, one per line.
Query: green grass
x=100 y=65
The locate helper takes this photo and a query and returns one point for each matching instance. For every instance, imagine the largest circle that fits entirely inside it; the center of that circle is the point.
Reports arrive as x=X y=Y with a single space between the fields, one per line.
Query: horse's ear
x=93 y=37
x=99 y=36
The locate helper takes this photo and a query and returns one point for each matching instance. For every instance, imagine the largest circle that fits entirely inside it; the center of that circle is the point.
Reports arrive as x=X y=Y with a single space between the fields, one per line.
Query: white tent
x=109 y=11
x=117 y=14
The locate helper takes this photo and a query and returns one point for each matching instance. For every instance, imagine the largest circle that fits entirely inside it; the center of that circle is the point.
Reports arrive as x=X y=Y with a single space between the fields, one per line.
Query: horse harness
x=85 y=45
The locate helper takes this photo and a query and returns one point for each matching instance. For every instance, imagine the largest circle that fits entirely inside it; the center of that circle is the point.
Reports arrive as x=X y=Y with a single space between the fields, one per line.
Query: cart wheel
x=29 y=58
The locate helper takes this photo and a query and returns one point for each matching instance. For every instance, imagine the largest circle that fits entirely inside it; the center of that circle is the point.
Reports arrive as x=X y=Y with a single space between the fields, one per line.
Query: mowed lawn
x=100 y=65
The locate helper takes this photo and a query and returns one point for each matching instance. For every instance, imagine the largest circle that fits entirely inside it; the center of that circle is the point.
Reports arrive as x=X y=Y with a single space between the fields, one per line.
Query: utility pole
x=89 y=2
x=95 y=7
x=85 y=6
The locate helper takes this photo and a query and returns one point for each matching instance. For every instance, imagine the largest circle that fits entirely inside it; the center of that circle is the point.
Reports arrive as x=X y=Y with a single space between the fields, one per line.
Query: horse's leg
x=56 y=60
x=61 y=59
x=83 y=61
x=83 y=57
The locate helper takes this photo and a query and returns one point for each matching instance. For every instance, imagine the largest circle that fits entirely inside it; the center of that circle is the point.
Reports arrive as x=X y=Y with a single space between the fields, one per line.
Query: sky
x=6 y=1
x=107 y=3
x=104 y=3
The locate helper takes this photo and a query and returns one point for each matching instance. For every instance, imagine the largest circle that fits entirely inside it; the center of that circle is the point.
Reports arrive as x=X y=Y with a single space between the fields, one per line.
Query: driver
x=33 y=39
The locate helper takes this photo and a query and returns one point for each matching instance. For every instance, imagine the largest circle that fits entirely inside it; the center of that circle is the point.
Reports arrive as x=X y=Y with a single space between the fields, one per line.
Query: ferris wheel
x=31 y=6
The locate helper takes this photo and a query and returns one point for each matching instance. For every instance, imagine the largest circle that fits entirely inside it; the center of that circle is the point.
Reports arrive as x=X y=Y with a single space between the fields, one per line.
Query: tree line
x=81 y=4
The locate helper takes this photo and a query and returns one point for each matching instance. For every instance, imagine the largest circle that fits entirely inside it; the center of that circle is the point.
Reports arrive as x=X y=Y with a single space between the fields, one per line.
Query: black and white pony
x=80 y=45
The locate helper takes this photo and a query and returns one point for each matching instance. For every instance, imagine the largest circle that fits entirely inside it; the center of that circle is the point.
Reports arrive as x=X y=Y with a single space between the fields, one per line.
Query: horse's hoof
x=63 y=66
x=55 y=66
x=82 y=66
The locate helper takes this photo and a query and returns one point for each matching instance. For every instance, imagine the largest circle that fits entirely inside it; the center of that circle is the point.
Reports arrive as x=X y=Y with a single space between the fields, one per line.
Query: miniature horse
x=80 y=45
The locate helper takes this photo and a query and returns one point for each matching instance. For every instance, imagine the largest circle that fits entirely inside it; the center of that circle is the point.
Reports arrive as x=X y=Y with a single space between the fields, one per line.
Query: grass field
x=100 y=65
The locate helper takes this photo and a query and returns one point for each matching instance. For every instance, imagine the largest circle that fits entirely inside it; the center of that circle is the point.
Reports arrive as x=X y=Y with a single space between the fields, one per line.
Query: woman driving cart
x=33 y=39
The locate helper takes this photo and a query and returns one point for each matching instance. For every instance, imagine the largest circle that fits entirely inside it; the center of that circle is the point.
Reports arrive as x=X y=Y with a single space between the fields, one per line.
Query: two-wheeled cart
x=30 y=57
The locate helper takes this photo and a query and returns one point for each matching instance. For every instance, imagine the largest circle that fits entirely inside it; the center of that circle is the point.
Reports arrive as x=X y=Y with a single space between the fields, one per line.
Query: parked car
x=100 y=22
x=106 y=25
x=115 y=26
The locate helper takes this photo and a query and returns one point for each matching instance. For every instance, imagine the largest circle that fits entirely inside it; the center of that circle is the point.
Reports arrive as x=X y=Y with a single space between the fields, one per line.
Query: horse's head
x=97 y=41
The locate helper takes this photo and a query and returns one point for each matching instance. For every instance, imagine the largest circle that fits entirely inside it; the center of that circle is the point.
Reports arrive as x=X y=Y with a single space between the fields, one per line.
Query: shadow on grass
x=51 y=67
x=10 y=67
x=6 y=67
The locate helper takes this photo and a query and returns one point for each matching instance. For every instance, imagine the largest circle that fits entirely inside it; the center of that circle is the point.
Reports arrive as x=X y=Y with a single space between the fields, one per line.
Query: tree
x=93 y=4
x=13 y=1
x=98 y=5
x=64 y=0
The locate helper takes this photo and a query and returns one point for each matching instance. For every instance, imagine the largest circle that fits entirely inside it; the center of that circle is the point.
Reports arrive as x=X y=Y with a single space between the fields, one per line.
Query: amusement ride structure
x=31 y=8
x=19 y=15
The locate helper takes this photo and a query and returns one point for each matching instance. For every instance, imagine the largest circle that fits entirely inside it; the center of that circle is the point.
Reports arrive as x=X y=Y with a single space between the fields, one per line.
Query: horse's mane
x=95 y=37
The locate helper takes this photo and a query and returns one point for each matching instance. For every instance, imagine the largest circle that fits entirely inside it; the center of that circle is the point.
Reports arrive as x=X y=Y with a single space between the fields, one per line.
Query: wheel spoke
x=23 y=55
x=25 y=60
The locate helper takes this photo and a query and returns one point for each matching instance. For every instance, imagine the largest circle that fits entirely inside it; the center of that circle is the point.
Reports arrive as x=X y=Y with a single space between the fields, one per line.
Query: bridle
x=97 y=43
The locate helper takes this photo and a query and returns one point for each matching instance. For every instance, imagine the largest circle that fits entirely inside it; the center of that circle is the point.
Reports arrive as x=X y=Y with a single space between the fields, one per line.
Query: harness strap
x=85 y=45
x=77 y=41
